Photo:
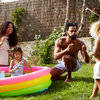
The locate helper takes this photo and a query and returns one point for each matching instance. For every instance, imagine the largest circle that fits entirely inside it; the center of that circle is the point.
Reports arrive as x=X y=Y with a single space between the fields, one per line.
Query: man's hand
x=92 y=53
x=70 y=47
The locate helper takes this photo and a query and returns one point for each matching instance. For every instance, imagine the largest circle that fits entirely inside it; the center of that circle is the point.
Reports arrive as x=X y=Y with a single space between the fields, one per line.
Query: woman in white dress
x=8 y=39
x=95 y=33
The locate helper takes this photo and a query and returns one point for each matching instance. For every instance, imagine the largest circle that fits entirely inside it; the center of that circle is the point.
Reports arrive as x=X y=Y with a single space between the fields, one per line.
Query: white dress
x=97 y=70
x=4 y=53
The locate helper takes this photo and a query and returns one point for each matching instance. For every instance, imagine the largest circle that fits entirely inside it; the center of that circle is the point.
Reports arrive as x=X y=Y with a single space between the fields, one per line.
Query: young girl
x=95 y=33
x=18 y=63
x=8 y=39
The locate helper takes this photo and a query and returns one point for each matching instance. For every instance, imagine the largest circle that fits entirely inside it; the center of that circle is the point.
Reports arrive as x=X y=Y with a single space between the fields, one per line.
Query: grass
x=79 y=89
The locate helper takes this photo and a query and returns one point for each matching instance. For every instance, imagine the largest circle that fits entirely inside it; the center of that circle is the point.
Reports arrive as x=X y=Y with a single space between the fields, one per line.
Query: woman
x=95 y=33
x=8 y=39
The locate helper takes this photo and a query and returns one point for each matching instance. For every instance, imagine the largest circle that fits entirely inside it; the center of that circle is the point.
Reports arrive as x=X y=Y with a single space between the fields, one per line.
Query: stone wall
x=75 y=13
x=41 y=16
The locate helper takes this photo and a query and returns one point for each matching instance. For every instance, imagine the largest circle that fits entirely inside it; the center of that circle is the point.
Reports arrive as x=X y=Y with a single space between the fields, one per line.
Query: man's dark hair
x=68 y=24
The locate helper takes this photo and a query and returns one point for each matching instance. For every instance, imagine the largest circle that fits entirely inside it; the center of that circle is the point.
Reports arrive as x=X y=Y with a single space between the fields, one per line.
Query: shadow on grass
x=56 y=86
x=84 y=79
x=59 y=85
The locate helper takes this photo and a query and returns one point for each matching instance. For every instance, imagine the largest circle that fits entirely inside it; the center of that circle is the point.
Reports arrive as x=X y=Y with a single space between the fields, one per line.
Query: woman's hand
x=3 y=39
x=90 y=54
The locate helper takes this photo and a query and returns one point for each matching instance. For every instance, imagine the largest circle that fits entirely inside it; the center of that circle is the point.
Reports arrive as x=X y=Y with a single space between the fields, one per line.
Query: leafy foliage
x=93 y=17
x=42 y=49
x=16 y=17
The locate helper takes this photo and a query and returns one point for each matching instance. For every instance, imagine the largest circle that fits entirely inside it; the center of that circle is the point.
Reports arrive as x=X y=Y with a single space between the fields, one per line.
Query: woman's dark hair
x=17 y=49
x=12 y=37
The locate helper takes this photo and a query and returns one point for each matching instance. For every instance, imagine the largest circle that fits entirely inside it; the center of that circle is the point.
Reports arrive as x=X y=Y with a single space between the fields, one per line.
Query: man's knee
x=66 y=58
x=55 y=72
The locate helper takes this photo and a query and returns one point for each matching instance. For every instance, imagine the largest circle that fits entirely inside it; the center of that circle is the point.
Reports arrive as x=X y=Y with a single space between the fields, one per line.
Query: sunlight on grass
x=79 y=89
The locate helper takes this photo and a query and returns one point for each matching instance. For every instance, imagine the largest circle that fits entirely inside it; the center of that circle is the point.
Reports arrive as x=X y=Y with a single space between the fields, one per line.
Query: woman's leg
x=95 y=90
x=98 y=82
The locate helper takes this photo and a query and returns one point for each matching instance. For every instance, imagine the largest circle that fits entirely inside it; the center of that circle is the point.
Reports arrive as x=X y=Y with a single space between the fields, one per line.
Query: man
x=67 y=49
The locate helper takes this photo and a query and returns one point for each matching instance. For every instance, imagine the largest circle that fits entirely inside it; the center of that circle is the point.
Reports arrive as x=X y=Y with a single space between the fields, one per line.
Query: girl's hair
x=17 y=49
x=95 y=28
x=12 y=37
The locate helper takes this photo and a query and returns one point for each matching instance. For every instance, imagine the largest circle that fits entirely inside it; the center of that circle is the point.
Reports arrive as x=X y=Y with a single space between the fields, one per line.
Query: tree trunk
x=67 y=9
x=82 y=18
x=67 y=14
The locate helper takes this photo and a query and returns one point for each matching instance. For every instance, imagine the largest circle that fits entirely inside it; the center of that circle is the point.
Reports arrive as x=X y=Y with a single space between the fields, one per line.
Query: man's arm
x=85 y=54
x=58 y=52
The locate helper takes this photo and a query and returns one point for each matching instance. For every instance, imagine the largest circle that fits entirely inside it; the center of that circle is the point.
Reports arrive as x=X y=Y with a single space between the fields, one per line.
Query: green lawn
x=79 y=89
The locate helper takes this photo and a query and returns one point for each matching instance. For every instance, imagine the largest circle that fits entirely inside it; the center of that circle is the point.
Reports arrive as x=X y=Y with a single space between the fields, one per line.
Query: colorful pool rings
x=36 y=81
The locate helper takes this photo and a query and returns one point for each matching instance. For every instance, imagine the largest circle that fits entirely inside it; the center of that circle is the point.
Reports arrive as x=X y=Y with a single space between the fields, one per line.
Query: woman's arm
x=85 y=54
x=10 y=54
x=3 y=40
x=96 y=47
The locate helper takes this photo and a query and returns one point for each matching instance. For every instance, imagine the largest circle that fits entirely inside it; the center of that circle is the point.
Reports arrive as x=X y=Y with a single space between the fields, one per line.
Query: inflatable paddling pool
x=29 y=83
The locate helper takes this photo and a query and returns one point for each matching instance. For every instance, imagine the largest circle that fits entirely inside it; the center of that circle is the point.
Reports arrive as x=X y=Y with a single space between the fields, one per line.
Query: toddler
x=18 y=63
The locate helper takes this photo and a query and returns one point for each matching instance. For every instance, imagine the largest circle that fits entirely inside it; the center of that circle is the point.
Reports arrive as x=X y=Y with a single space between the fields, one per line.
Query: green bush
x=93 y=17
x=42 y=49
x=16 y=19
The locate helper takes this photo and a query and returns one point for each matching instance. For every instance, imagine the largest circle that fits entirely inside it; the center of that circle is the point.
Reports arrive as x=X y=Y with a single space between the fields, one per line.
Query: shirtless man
x=67 y=49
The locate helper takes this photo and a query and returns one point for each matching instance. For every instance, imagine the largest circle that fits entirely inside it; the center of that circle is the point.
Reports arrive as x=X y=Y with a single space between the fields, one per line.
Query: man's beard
x=73 y=37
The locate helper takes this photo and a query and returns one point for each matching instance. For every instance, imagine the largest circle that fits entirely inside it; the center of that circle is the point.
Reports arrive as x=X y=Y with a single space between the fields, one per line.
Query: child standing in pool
x=18 y=63
x=95 y=33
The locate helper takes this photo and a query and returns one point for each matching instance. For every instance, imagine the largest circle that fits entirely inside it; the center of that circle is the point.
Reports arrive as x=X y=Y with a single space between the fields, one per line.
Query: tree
x=67 y=10
x=82 y=14
x=82 y=17
x=67 y=14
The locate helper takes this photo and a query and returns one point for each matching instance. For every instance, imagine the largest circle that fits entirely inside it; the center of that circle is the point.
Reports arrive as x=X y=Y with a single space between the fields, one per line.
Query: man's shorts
x=62 y=67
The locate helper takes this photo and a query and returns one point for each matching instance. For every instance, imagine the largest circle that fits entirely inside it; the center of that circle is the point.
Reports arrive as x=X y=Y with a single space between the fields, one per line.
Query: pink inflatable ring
x=27 y=83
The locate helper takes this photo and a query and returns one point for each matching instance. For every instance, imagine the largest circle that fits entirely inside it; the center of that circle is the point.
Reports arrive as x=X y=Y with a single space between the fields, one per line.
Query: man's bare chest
x=75 y=47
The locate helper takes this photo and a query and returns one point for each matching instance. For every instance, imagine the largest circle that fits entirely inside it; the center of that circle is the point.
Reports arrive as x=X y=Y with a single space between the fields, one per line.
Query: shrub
x=93 y=17
x=16 y=19
x=42 y=49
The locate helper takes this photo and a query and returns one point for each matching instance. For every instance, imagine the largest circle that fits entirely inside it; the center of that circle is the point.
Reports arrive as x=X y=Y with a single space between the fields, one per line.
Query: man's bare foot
x=68 y=80
x=63 y=77
x=59 y=78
